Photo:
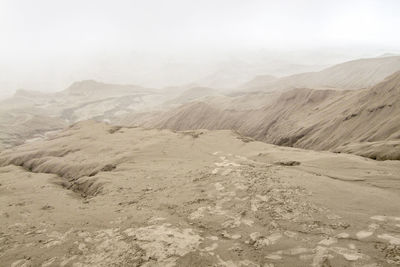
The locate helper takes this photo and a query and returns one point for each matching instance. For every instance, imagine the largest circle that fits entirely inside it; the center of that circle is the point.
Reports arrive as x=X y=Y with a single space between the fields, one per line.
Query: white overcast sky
x=36 y=37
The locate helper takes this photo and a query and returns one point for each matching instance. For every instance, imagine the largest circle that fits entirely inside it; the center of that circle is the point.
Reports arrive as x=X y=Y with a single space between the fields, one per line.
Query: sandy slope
x=380 y=150
x=356 y=74
x=307 y=118
x=98 y=195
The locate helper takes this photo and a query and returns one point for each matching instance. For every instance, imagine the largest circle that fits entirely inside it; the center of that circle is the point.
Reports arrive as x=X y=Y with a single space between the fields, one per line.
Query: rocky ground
x=97 y=195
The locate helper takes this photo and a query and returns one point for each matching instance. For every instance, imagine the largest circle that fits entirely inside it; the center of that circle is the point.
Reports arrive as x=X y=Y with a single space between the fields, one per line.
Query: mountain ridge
x=306 y=118
x=350 y=75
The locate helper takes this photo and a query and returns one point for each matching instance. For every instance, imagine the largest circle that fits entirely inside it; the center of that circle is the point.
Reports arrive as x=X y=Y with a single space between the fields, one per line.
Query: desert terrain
x=301 y=170
x=328 y=114
x=100 y=195
x=178 y=133
x=360 y=121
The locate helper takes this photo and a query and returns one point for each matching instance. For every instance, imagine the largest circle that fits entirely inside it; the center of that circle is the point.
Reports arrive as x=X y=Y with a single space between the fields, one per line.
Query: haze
x=47 y=45
x=199 y=133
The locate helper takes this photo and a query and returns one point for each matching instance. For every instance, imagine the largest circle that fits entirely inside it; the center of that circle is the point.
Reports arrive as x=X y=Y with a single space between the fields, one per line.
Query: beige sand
x=98 y=195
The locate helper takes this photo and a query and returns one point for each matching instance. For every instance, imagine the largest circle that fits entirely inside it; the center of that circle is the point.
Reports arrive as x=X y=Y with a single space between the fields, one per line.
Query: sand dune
x=100 y=195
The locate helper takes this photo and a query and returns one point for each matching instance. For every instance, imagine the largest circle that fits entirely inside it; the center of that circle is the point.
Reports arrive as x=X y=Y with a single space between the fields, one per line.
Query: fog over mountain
x=47 y=45
x=220 y=133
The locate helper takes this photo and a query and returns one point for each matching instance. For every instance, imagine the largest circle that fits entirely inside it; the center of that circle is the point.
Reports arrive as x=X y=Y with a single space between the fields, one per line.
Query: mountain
x=93 y=89
x=259 y=81
x=22 y=126
x=191 y=94
x=100 y=195
x=318 y=116
x=356 y=74
x=35 y=113
x=306 y=118
x=235 y=75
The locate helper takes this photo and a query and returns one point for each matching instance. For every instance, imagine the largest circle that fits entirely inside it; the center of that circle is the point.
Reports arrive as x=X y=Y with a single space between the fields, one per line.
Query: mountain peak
x=84 y=85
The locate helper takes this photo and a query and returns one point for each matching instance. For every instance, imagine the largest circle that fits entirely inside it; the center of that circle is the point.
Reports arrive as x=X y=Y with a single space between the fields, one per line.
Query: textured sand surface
x=100 y=195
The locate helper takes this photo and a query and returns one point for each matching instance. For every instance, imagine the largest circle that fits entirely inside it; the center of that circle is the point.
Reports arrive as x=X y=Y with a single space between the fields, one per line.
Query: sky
x=47 y=44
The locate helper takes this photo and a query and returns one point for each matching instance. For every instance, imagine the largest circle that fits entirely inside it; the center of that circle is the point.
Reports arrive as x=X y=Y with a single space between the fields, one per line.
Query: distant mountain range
x=322 y=119
x=356 y=74
x=350 y=107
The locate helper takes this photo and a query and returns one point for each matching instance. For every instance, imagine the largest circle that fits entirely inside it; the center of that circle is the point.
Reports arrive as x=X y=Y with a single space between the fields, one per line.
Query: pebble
x=348 y=254
x=363 y=234
x=273 y=257
x=379 y=218
x=352 y=246
x=328 y=241
x=219 y=187
x=391 y=239
x=343 y=235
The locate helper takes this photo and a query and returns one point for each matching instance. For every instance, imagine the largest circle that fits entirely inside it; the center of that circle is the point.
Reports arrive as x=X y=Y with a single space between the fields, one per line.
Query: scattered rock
x=287 y=163
x=363 y=234
x=114 y=129
x=47 y=207
x=328 y=241
x=394 y=240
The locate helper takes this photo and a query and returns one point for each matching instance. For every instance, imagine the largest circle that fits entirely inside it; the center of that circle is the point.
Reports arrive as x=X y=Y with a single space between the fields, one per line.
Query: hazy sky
x=60 y=40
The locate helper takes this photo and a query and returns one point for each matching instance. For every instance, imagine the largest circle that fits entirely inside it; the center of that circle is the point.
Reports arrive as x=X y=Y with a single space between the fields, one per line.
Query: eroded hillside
x=33 y=114
x=359 y=121
x=306 y=118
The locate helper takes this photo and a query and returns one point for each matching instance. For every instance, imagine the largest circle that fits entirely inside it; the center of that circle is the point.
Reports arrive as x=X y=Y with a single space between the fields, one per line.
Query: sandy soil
x=97 y=195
